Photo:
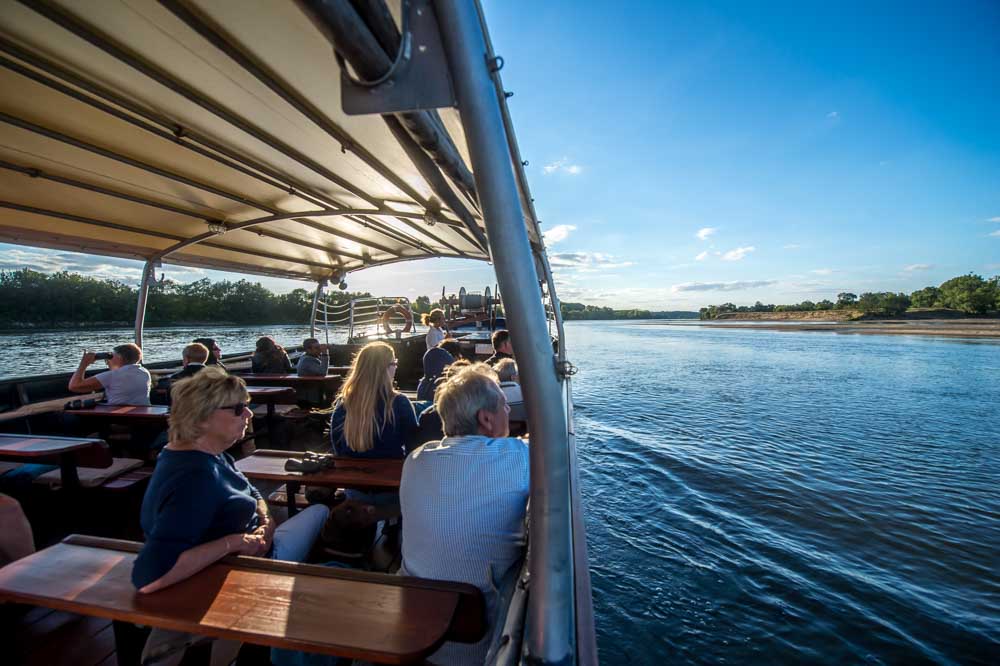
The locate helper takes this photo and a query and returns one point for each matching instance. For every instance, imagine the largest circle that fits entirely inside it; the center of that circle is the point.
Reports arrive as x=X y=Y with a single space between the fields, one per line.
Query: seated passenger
x=501 y=346
x=315 y=362
x=434 y=320
x=193 y=358
x=125 y=383
x=429 y=421
x=506 y=371
x=436 y=359
x=370 y=418
x=198 y=506
x=270 y=358
x=464 y=498
x=214 y=352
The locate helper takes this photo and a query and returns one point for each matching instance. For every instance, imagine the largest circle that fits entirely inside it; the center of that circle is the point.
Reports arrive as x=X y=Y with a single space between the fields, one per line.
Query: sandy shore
x=957 y=328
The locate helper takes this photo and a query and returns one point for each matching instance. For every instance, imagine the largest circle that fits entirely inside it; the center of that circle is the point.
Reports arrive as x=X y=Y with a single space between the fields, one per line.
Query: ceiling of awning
x=124 y=131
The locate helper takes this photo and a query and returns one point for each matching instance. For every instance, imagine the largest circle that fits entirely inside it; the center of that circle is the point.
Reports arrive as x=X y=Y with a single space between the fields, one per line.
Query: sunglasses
x=237 y=408
x=394 y=363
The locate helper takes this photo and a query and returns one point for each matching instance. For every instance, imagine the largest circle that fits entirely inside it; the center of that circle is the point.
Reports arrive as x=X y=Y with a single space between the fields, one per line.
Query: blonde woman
x=198 y=506
x=436 y=333
x=371 y=419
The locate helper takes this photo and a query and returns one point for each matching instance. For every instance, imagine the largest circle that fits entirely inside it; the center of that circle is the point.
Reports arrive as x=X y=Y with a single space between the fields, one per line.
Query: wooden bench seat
x=356 y=614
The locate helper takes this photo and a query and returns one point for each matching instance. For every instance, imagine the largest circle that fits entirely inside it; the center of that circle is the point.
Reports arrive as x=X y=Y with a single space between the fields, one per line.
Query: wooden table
x=269 y=395
x=124 y=412
x=32 y=448
x=358 y=473
x=361 y=615
x=328 y=383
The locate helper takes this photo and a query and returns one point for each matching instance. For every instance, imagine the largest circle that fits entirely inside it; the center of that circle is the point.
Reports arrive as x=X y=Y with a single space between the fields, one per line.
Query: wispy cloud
x=995 y=233
x=737 y=285
x=913 y=268
x=587 y=261
x=791 y=246
x=558 y=233
x=701 y=256
x=833 y=115
x=705 y=232
x=738 y=253
x=822 y=271
x=562 y=165
x=54 y=261
x=994 y=219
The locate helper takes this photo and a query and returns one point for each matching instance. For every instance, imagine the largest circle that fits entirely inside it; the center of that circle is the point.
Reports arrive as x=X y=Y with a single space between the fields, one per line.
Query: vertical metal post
x=551 y=631
x=140 y=307
x=316 y=295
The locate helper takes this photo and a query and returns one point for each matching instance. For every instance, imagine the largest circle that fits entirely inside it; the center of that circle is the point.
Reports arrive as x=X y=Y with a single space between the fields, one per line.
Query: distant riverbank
x=964 y=328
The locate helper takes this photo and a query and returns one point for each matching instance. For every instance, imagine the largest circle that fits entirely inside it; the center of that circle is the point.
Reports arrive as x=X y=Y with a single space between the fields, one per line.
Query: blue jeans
x=294 y=538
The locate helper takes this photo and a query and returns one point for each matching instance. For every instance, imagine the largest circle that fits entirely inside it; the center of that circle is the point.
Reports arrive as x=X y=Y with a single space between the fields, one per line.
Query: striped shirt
x=463 y=501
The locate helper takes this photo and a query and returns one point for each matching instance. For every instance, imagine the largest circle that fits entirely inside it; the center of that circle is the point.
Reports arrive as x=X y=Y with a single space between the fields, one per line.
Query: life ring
x=399 y=309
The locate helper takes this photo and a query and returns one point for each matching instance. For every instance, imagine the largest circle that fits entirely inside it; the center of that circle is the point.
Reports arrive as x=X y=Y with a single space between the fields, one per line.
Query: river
x=760 y=497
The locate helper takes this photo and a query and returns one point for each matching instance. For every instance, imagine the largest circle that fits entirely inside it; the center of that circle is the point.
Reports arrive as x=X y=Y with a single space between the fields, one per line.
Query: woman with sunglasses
x=198 y=506
x=371 y=419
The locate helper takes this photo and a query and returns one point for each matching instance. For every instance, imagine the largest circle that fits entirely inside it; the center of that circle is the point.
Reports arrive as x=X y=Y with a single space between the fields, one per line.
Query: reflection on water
x=763 y=497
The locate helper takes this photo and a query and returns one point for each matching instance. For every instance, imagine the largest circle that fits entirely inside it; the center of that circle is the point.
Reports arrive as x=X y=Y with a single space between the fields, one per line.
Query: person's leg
x=16 y=540
x=295 y=537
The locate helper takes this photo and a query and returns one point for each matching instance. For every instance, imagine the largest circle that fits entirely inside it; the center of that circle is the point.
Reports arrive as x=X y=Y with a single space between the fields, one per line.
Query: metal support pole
x=140 y=307
x=316 y=295
x=551 y=610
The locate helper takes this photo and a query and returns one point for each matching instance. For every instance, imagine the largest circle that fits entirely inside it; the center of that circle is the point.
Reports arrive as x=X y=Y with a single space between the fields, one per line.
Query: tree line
x=970 y=294
x=579 y=311
x=38 y=299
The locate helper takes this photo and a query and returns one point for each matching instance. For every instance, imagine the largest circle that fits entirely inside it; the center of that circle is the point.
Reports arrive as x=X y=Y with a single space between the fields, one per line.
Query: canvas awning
x=143 y=129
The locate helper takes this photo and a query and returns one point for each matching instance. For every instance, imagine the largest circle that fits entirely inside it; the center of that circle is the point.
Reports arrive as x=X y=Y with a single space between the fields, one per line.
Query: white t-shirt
x=128 y=385
x=434 y=337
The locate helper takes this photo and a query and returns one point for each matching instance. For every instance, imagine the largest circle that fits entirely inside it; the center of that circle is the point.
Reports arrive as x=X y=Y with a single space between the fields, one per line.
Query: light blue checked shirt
x=463 y=501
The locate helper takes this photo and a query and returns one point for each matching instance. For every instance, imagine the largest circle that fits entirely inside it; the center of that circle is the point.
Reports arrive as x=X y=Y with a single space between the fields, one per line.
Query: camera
x=102 y=356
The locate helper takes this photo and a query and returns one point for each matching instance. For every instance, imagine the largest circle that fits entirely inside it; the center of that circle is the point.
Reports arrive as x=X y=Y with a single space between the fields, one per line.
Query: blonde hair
x=435 y=316
x=195 y=398
x=459 y=399
x=195 y=353
x=366 y=384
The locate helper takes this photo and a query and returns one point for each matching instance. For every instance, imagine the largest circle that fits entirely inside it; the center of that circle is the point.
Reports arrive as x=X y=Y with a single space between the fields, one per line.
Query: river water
x=759 y=496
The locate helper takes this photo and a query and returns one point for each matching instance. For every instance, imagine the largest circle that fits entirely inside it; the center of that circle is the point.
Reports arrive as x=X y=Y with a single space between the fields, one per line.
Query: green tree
x=846 y=300
x=928 y=297
x=969 y=293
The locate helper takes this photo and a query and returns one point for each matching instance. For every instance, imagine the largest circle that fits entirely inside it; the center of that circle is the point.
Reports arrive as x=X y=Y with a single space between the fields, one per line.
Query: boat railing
x=361 y=317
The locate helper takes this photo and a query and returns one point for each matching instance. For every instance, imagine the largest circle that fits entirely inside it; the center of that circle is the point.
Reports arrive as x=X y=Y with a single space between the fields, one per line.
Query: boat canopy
x=213 y=134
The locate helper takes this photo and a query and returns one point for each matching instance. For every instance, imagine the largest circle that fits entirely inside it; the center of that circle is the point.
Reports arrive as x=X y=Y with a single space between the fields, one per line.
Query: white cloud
x=702 y=256
x=705 y=232
x=738 y=253
x=586 y=261
x=791 y=246
x=562 y=165
x=822 y=271
x=558 y=233
x=918 y=267
x=833 y=115
x=994 y=219
x=737 y=285
x=995 y=233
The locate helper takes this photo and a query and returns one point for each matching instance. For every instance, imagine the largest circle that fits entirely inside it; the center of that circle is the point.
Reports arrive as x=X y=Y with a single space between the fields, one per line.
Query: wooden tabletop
x=270 y=393
x=130 y=412
x=267 y=377
x=349 y=472
x=361 y=615
x=37 y=446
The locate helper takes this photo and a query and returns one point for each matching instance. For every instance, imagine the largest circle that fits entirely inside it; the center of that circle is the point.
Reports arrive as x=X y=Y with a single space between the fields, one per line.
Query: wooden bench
x=355 y=614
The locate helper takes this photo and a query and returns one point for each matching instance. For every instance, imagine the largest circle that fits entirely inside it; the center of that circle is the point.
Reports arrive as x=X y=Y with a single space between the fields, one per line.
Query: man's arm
x=80 y=384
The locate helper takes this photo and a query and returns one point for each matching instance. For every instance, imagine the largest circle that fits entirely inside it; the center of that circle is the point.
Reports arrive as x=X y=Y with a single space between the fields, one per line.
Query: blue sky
x=683 y=154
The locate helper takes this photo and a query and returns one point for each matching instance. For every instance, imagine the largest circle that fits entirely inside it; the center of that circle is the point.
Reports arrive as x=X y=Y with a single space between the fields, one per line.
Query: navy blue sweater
x=391 y=441
x=193 y=498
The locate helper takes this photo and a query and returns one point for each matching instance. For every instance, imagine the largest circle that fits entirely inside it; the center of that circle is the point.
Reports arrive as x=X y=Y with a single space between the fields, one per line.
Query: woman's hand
x=252 y=543
x=88 y=359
